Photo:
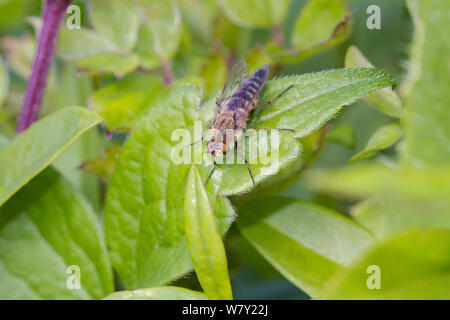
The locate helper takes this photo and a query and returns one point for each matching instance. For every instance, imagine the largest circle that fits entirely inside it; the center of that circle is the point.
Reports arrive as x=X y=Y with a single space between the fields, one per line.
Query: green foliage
x=77 y=44
x=424 y=252
x=103 y=167
x=214 y=71
x=163 y=19
x=382 y=139
x=144 y=211
x=252 y=14
x=4 y=81
x=358 y=181
x=344 y=135
x=322 y=24
x=204 y=241
x=388 y=215
x=109 y=62
x=19 y=53
x=198 y=17
x=157 y=293
x=150 y=69
x=315 y=98
x=117 y=27
x=125 y=102
x=305 y=242
x=23 y=158
x=45 y=228
x=386 y=100
x=108 y=17
x=427 y=116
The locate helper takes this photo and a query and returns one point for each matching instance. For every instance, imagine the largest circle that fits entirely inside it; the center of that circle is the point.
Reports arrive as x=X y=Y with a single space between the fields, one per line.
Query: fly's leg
x=273 y=99
x=250 y=172
x=268 y=129
x=210 y=174
x=191 y=144
x=246 y=163
x=199 y=140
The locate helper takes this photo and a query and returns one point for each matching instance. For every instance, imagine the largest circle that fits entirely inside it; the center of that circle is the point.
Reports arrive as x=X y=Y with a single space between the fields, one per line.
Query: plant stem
x=54 y=11
x=278 y=36
x=168 y=77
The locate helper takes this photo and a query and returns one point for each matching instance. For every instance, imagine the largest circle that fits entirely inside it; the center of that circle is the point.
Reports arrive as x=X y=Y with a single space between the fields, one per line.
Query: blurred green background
x=251 y=276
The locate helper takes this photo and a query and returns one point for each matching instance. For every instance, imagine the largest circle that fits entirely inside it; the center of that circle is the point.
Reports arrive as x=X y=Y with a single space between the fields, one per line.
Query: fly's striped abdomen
x=248 y=92
x=234 y=112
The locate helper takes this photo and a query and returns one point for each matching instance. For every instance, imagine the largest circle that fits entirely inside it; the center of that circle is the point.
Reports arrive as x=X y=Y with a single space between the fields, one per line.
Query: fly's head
x=216 y=148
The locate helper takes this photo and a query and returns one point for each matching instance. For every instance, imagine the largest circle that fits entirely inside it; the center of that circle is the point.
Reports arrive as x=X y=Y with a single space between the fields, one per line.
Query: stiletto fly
x=238 y=99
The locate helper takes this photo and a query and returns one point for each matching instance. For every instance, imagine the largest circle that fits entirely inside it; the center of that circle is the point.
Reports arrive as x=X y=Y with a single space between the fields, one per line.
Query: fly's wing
x=238 y=72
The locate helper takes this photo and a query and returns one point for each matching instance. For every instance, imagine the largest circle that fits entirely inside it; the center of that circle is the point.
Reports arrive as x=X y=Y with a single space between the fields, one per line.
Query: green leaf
x=204 y=241
x=321 y=25
x=157 y=293
x=343 y=134
x=110 y=63
x=162 y=17
x=145 y=49
x=77 y=44
x=255 y=13
x=199 y=17
x=315 y=98
x=103 y=167
x=45 y=228
x=416 y=49
x=427 y=133
x=123 y=103
x=144 y=213
x=214 y=72
x=382 y=139
x=230 y=35
x=4 y=81
x=73 y=89
x=20 y=53
x=258 y=57
x=4 y=141
x=362 y=180
x=386 y=100
x=14 y=13
x=23 y=158
x=424 y=252
x=116 y=20
x=304 y=242
x=106 y=48
x=280 y=153
x=389 y=215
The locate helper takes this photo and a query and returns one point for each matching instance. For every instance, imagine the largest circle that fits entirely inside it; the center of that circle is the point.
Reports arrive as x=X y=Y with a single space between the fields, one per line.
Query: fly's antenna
x=273 y=99
x=210 y=174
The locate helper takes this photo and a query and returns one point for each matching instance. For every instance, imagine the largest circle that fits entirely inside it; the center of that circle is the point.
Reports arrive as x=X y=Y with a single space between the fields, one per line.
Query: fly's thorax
x=224 y=122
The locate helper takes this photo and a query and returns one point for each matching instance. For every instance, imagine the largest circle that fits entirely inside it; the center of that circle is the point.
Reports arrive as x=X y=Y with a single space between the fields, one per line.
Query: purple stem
x=278 y=35
x=54 y=12
x=167 y=73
